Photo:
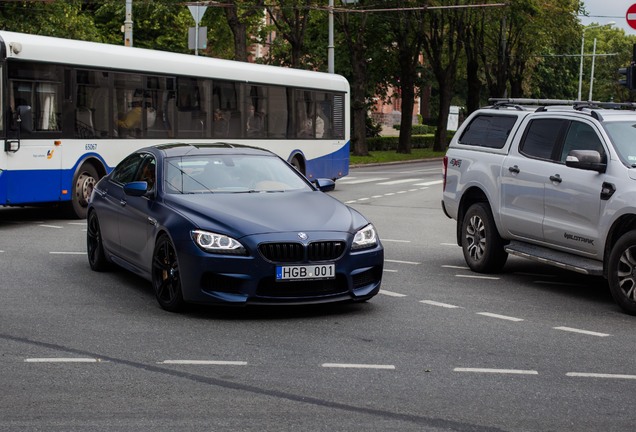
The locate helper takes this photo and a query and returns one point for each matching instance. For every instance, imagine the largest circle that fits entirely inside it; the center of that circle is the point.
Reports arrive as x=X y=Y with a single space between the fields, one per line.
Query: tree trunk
x=408 y=99
x=239 y=30
x=445 y=96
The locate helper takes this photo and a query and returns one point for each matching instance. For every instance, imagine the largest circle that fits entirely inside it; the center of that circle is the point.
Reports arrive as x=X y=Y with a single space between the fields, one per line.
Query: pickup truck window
x=488 y=131
x=623 y=136
x=541 y=138
x=581 y=136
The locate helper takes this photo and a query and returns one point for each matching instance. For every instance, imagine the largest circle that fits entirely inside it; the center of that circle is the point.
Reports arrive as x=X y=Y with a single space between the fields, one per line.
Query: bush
x=385 y=143
x=419 y=129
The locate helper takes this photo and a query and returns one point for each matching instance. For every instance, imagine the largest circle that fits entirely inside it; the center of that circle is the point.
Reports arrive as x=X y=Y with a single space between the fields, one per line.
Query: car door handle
x=514 y=169
x=122 y=203
x=556 y=178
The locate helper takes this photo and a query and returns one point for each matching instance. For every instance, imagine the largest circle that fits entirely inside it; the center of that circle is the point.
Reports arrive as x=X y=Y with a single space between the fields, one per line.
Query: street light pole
x=592 y=73
x=330 y=47
x=611 y=23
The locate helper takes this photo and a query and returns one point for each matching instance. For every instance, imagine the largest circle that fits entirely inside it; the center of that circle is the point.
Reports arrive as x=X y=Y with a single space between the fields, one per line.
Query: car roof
x=202 y=149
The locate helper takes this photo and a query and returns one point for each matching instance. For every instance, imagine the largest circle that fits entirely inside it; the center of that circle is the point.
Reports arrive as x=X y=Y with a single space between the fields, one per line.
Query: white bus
x=73 y=109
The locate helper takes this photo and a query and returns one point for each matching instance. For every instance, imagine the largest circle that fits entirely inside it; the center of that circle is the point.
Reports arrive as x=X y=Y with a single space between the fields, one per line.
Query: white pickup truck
x=552 y=181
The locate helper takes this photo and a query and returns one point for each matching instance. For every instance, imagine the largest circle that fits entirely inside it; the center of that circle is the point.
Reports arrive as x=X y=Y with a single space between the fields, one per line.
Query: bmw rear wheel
x=94 y=246
x=621 y=272
x=482 y=246
x=166 y=279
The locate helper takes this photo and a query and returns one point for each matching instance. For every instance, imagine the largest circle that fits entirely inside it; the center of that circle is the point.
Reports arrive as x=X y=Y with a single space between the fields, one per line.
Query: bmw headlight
x=217 y=243
x=365 y=238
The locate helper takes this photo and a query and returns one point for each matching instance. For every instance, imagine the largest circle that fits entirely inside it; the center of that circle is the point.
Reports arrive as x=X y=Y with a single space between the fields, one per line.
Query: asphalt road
x=440 y=348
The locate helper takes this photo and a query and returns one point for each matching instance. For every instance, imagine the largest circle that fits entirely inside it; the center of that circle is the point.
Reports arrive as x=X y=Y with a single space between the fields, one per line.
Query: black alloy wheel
x=94 y=246
x=166 y=279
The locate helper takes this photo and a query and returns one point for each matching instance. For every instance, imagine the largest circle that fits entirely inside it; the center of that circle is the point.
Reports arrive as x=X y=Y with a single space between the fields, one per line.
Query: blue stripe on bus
x=328 y=166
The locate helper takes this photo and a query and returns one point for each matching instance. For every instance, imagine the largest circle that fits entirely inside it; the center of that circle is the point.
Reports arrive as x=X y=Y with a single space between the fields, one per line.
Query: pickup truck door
x=573 y=195
x=523 y=179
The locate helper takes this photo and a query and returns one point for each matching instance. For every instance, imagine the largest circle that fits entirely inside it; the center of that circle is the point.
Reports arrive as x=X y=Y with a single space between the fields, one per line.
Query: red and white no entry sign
x=631 y=16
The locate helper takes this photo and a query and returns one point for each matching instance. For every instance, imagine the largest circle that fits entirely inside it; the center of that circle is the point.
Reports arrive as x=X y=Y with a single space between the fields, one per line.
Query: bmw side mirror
x=324 y=185
x=136 y=188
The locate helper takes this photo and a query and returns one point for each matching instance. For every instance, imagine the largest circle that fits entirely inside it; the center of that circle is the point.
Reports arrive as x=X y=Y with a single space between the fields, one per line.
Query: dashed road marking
x=366 y=180
x=430 y=183
x=477 y=277
x=389 y=270
x=456 y=267
x=357 y=366
x=503 y=317
x=444 y=305
x=50 y=226
x=600 y=375
x=67 y=253
x=586 y=332
x=498 y=371
x=396 y=241
x=62 y=360
x=402 y=262
x=391 y=293
x=394 y=182
x=204 y=362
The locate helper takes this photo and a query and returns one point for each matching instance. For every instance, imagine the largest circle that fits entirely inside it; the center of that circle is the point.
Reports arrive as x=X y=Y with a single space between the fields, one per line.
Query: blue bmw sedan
x=221 y=223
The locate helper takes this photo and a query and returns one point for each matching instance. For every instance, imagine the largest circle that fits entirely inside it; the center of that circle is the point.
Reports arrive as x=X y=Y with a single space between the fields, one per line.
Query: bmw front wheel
x=94 y=245
x=166 y=279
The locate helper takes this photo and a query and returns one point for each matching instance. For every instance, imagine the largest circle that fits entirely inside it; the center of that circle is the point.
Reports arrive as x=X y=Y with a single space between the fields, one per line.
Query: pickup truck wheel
x=482 y=246
x=621 y=273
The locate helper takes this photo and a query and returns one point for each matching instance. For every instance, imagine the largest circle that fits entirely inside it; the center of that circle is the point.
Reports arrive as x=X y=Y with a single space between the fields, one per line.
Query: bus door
x=33 y=147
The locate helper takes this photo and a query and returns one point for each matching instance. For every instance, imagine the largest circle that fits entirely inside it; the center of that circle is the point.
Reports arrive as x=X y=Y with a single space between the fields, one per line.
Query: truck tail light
x=444 y=170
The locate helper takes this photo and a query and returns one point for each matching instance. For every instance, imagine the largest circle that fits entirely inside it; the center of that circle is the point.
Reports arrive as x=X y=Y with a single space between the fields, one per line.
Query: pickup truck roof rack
x=542 y=103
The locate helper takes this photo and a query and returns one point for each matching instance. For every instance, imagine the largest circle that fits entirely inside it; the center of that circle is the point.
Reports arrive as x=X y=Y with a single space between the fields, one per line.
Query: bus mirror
x=25 y=118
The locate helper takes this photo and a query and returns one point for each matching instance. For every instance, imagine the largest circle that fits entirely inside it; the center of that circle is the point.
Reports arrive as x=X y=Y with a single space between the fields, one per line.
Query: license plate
x=306 y=272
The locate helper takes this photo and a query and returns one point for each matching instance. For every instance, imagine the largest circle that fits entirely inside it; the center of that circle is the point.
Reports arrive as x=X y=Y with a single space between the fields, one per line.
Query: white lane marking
x=434 y=303
x=456 y=267
x=350 y=202
x=402 y=192
x=477 y=277
x=50 y=226
x=394 y=182
x=363 y=199
x=503 y=317
x=377 y=196
x=389 y=194
x=600 y=375
x=401 y=262
x=77 y=223
x=390 y=271
x=430 y=183
x=448 y=244
x=204 y=362
x=1 y=251
x=391 y=293
x=498 y=371
x=412 y=190
x=587 y=332
x=67 y=253
x=366 y=180
x=62 y=360
x=357 y=366
x=396 y=241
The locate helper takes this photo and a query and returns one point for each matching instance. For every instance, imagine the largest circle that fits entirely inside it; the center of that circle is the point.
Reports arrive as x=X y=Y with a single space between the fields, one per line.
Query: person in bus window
x=254 y=122
x=132 y=119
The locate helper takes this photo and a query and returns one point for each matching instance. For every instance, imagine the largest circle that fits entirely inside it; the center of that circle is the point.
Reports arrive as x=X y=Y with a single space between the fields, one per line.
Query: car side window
x=147 y=171
x=127 y=169
x=488 y=131
x=581 y=136
x=542 y=137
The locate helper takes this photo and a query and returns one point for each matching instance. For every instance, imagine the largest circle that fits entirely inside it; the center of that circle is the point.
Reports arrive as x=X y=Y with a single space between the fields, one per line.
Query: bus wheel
x=297 y=163
x=83 y=185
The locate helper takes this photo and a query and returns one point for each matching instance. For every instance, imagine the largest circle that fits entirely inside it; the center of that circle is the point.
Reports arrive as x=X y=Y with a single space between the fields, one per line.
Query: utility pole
x=128 y=25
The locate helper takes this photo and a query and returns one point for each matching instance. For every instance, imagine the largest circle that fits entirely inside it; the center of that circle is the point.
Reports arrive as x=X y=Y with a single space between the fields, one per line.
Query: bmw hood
x=243 y=214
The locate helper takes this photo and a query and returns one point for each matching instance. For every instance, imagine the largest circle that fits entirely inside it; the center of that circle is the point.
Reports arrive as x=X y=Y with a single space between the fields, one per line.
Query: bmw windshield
x=230 y=174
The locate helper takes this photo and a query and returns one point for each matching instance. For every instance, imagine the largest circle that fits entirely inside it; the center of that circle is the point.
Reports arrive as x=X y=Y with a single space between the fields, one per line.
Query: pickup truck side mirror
x=586 y=159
